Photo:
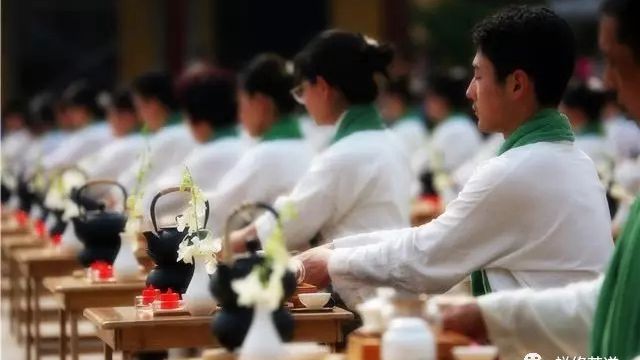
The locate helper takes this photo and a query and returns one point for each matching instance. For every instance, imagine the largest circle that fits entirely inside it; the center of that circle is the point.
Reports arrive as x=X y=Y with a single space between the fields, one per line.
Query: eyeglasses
x=298 y=94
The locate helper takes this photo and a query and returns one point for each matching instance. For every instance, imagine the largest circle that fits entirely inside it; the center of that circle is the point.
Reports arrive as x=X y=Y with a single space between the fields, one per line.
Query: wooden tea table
x=34 y=265
x=120 y=330
x=73 y=294
x=9 y=245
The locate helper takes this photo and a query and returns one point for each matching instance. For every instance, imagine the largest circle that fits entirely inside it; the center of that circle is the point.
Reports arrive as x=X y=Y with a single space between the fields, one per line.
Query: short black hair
x=123 y=101
x=347 y=61
x=626 y=13
x=82 y=94
x=450 y=86
x=211 y=97
x=534 y=40
x=42 y=112
x=399 y=87
x=14 y=106
x=270 y=75
x=587 y=100
x=158 y=86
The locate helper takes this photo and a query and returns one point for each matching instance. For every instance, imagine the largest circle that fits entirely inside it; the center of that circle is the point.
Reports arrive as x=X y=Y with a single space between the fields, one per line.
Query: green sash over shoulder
x=616 y=327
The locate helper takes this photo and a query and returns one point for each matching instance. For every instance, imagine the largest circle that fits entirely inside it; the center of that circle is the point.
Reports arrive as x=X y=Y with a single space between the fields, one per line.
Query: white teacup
x=314 y=300
x=475 y=352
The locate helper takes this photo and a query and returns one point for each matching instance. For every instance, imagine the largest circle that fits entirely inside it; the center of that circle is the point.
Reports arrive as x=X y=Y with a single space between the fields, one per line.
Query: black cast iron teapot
x=99 y=229
x=162 y=247
x=231 y=323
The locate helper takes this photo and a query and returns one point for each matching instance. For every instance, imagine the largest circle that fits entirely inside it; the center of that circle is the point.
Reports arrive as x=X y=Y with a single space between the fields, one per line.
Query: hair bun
x=379 y=56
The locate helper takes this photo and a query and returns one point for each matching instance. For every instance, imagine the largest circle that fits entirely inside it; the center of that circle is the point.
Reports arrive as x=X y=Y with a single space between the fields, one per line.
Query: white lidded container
x=408 y=338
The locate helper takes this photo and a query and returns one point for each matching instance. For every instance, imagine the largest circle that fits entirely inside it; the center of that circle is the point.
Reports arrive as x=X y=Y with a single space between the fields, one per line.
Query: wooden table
x=10 y=269
x=74 y=294
x=120 y=330
x=34 y=265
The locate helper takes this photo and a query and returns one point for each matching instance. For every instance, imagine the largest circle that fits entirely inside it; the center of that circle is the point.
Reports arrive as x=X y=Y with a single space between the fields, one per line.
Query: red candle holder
x=149 y=295
x=97 y=265
x=41 y=228
x=169 y=300
x=22 y=218
x=105 y=273
x=56 y=239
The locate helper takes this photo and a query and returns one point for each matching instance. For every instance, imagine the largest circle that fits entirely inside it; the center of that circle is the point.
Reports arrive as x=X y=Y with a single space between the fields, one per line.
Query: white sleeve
x=314 y=201
x=434 y=257
x=551 y=322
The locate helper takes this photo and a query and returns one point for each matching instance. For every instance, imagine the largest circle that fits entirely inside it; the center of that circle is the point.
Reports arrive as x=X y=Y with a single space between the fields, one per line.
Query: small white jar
x=408 y=339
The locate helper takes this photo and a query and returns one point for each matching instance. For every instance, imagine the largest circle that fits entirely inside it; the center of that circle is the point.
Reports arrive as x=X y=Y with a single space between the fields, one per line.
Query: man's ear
x=322 y=86
x=519 y=84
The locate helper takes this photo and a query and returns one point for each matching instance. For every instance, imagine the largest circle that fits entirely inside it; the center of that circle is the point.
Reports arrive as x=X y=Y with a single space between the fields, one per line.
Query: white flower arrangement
x=58 y=196
x=263 y=285
x=134 y=201
x=199 y=242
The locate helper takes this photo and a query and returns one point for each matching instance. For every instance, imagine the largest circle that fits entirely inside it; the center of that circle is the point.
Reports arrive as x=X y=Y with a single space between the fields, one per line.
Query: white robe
x=38 y=149
x=536 y=216
x=452 y=142
x=553 y=322
x=14 y=145
x=79 y=144
x=112 y=160
x=361 y=183
x=624 y=135
x=318 y=136
x=412 y=133
x=265 y=171
x=208 y=163
x=167 y=148
x=597 y=147
x=488 y=150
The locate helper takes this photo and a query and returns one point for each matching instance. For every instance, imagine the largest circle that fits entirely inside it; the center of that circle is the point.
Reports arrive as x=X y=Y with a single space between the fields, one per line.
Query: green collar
x=358 y=118
x=592 y=128
x=287 y=127
x=175 y=118
x=547 y=125
x=223 y=132
x=411 y=115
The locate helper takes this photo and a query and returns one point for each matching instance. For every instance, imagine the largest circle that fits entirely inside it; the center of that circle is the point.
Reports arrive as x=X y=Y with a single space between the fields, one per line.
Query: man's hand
x=315 y=262
x=466 y=320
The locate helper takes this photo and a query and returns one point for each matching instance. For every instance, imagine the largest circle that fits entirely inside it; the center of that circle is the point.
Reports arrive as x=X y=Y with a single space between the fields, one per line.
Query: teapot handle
x=227 y=254
x=100 y=182
x=169 y=191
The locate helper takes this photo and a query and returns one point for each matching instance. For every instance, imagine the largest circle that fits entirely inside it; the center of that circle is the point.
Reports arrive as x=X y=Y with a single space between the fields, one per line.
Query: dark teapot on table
x=162 y=247
x=99 y=229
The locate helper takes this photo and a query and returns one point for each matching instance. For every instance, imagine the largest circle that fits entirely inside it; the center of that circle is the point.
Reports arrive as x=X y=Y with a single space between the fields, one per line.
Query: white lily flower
x=252 y=292
x=211 y=265
x=182 y=222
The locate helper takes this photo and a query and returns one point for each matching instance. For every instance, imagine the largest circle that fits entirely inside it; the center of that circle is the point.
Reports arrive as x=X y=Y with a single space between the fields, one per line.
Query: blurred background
x=47 y=44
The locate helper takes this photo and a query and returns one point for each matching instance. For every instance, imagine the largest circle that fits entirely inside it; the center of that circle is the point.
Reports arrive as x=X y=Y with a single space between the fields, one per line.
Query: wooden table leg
x=36 y=317
x=29 y=337
x=17 y=309
x=12 y=297
x=62 y=318
x=108 y=352
x=73 y=319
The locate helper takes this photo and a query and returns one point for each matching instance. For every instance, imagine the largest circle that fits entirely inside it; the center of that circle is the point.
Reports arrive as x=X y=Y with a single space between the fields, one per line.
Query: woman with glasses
x=279 y=155
x=361 y=182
